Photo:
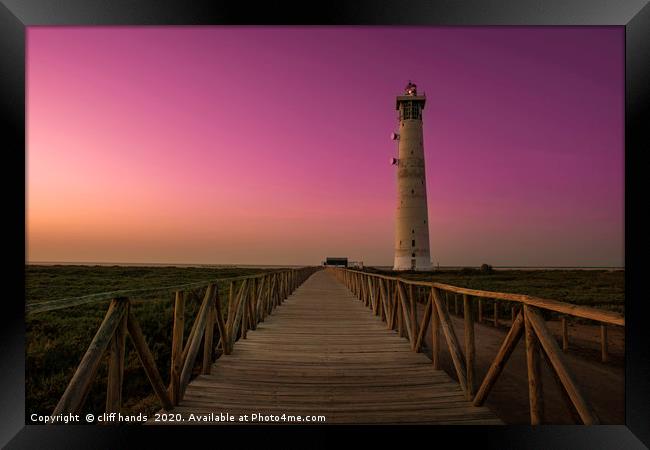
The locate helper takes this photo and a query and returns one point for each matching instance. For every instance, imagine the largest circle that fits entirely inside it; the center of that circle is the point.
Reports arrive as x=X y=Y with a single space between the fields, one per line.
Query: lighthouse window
x=412 y=255
x=415 y=112
x=413 y=243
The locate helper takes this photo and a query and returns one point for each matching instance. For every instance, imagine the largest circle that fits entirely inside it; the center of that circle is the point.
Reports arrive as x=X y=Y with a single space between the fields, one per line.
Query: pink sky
x=270 y=145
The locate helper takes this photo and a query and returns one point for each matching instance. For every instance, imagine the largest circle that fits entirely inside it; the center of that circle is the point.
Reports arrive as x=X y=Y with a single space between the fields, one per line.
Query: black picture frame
x=16 y=15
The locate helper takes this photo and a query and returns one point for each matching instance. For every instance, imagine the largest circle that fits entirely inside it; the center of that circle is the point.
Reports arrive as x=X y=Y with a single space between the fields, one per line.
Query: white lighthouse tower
x=412 y=221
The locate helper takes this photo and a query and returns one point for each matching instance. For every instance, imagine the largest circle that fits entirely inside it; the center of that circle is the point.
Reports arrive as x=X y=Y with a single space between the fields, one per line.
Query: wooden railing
x=394 y=299
x=251 y=299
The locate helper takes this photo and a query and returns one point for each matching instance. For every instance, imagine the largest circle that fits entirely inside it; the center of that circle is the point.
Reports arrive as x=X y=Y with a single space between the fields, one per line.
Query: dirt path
x=603 y=384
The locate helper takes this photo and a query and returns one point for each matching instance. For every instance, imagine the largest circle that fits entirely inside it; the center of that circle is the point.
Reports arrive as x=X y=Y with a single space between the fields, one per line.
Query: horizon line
x=119 y=263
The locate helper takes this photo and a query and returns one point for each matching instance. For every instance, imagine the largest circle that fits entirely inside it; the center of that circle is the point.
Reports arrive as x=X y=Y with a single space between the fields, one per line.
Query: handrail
x=393 y=300
x=251 y=298
x=585 y=312
x=61 y=303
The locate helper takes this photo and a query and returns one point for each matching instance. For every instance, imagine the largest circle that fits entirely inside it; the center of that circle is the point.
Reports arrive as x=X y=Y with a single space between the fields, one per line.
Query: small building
x=336 y=261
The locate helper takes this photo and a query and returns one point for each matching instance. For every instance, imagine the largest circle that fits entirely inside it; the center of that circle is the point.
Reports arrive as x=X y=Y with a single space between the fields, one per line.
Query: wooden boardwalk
x=323 y=353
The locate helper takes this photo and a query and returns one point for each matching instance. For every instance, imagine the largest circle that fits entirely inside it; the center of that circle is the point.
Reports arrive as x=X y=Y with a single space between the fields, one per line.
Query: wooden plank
x=323 y=353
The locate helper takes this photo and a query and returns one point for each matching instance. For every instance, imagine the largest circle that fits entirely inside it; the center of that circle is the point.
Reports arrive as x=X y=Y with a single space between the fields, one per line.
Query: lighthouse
x=411 y=221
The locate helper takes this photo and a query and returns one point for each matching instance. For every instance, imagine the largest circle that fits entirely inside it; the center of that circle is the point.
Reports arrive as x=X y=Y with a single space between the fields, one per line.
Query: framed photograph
x=420 y=220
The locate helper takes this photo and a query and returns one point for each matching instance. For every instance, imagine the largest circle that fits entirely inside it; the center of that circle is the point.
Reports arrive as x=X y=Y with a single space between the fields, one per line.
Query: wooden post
x=423 y=326
x=452 y=341
x=507 y=347
x=413 y=317
x=394 y=309
x=565 y=335
x=535 y=394
x=512 y=313
x=405 y=319
x=384 y=299
x=469 y=345
x=233 y=307
x=435 y=335
x=245 y=313
x=192 y=347
x=565 y=396
x=116 y=366
x=552 y=350
x=260 y=300
x=270 y=285
x=237 y=322
x=148 y=363
x=496 y=313
x=231 y=300
x=207 y=340
x=177 y=347
x=193 y=330
x=77 y=390
x=400 y=318
x=225 y=343
x=480 y=310
x=603 y=342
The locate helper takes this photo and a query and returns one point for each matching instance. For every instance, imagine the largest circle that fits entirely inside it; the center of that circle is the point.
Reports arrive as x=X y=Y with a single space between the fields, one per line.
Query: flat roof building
x=336 y=261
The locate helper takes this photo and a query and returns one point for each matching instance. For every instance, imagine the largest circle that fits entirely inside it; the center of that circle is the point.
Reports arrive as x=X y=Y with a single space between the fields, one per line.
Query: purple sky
x=270 y=145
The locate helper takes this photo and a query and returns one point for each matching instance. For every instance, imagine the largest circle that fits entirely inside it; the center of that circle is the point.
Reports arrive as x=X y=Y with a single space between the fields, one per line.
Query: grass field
x=56 y=340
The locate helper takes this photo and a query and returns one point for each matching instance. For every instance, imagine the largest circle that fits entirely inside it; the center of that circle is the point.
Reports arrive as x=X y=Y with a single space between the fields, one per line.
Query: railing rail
x=394 y=299
x=251 y=298
x=62 y=303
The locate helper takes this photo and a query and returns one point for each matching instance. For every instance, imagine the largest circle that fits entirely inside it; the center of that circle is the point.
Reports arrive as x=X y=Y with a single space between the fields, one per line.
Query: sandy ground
x=603 y=384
